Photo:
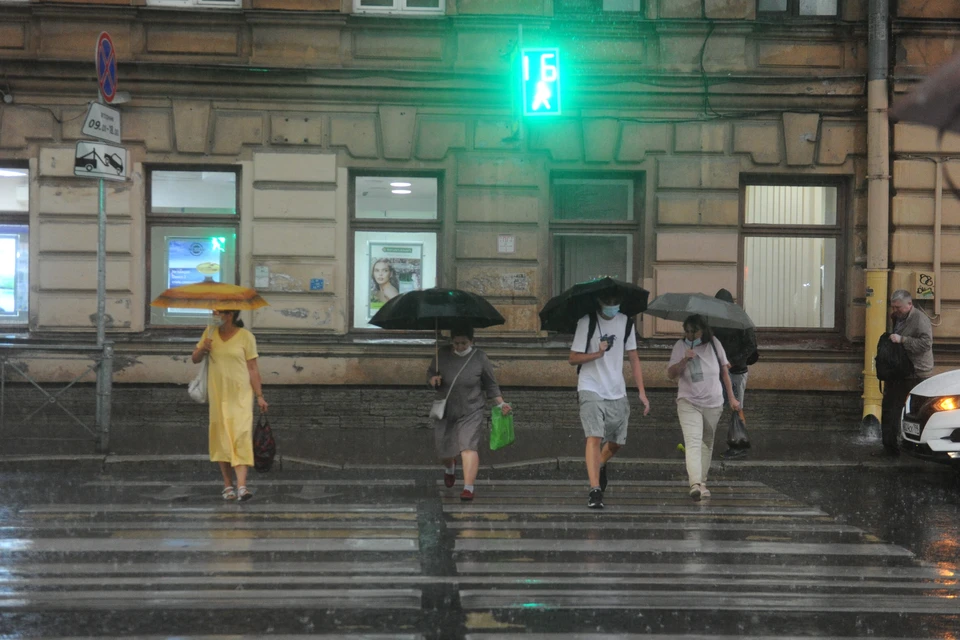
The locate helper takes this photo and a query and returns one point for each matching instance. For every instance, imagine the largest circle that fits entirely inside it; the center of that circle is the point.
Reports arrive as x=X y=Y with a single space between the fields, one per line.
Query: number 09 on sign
x=540 y=80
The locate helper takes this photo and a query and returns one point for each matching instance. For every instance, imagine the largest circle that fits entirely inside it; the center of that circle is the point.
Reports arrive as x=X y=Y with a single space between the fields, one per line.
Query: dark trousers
x=895 y=394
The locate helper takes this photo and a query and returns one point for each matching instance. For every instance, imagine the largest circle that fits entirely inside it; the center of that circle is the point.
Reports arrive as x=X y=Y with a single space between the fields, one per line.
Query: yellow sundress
x=230 y=395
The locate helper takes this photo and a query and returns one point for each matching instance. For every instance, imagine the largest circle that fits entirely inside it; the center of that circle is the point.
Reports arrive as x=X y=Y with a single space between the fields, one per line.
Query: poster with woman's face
x=395 y=268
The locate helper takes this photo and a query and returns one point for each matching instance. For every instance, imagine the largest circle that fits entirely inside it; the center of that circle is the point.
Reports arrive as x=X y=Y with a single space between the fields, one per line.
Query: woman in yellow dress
x=233 y=379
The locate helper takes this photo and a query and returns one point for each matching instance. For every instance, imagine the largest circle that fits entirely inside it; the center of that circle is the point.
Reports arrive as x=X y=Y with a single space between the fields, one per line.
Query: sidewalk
x=413 y=449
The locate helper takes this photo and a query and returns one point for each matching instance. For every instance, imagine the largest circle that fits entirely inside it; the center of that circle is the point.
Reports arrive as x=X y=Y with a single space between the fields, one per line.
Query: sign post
x=104 y=162
x=96 y=160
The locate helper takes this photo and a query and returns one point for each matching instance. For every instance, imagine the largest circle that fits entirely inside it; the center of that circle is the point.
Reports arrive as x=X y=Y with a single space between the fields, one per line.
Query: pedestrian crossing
x=265 y=565
x=370 y=560
x=747 y=551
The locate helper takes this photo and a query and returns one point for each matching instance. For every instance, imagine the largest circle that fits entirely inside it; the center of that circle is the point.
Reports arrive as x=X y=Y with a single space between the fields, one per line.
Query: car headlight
x=946 y=403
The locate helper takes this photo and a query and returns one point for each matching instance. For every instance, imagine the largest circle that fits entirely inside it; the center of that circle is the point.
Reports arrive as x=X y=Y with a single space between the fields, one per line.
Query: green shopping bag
x=501 y=429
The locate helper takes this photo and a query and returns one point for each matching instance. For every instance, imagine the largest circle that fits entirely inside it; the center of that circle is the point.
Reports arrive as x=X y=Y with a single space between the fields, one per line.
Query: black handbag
x=264 y=445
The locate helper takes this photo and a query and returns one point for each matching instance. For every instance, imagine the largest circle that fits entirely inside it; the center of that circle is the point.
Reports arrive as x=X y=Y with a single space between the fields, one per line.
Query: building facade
x=333 y=152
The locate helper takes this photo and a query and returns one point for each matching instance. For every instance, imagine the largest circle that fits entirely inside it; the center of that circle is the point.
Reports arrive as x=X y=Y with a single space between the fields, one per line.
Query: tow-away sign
x=98 y=160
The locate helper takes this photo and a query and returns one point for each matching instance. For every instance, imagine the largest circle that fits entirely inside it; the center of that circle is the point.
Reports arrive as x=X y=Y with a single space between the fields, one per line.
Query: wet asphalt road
x=777 y=551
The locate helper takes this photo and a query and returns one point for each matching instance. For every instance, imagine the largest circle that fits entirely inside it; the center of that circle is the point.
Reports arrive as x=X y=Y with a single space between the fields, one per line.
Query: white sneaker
x=704 y=492
x=695 y=491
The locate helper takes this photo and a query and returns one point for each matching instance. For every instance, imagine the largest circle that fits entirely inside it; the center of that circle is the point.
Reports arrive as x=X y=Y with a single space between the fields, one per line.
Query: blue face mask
x=610 y=311
x=692 y=343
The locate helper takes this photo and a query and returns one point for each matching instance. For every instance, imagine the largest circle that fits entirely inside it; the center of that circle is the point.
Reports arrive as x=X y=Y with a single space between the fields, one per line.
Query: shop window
x=192 y=219
x=400 y=7
x=791 y=255
x=594 y=230
x=798 y=8
x=14 y=245
x=396 y=220
x=197 y=4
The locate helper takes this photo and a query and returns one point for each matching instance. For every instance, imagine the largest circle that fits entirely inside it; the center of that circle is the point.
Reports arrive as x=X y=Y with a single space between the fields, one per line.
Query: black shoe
x=603 y=478
x=595 y=501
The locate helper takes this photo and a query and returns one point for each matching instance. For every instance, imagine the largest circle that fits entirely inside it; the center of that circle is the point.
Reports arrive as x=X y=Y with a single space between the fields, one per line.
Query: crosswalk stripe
x=260 y=545
x=474 y=508
x=702 y=601
x=215 y=599
x=243 y=508
x=683 y=546
x=709 y=570
x=308 y=636
x=224 y=567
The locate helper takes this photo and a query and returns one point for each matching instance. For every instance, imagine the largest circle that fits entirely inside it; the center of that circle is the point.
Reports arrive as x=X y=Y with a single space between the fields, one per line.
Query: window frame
x=233 y=5
x=400 y=8
x=22 y=322
x=837 y=231
x=152 y=220
x=793 y=12
x=408 y=225
x=597 y=10
x=632 y=227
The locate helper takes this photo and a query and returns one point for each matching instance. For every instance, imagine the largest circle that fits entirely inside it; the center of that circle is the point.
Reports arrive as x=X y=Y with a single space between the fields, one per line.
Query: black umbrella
x=437 y=309
x=562 y=312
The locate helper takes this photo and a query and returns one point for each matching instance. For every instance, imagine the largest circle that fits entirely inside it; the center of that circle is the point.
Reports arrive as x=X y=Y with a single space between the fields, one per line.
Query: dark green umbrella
x=436 y=309
x=563 y=312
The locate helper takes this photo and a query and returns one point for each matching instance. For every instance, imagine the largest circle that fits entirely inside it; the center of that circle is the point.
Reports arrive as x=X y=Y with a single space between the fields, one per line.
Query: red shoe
x=450 y=479
x=466 y=495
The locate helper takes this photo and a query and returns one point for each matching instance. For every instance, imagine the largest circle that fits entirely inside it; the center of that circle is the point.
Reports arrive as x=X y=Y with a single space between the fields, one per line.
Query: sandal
x=243 y=494
x=228 y=493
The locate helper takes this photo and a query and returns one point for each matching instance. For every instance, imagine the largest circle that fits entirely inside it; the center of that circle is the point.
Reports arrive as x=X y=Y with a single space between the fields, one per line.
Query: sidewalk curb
x=292 y=462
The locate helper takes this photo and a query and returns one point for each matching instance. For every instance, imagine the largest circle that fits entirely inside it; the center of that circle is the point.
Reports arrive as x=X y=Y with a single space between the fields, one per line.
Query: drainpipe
x=878 y=204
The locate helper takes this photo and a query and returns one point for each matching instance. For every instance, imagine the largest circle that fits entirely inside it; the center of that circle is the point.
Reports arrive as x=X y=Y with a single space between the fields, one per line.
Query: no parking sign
x=106 y=58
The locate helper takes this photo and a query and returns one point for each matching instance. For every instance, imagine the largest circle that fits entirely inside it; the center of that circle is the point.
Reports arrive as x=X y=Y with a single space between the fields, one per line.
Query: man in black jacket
x=741 y=348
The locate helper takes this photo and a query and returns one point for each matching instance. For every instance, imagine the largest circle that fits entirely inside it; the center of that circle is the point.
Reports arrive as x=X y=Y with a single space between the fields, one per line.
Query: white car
x=930 y=426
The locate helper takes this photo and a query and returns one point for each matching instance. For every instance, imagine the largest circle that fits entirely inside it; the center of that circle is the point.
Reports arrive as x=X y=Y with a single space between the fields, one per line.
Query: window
x=14 y=245
x=802 y=8
x=597 y=6
x=395 y=225
x=192 y=221
x=199 y=4
x=410 y=7
x=593 y=230
x=791 y=245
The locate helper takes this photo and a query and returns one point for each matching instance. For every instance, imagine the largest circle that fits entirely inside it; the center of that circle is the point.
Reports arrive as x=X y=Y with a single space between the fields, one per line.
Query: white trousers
x=699 y=425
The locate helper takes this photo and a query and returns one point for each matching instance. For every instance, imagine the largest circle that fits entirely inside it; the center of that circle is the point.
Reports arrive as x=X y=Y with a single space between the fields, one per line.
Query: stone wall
x=300 y=101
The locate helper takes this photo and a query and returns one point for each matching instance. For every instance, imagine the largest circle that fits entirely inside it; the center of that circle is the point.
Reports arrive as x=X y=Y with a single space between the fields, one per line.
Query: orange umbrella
x=210 y=295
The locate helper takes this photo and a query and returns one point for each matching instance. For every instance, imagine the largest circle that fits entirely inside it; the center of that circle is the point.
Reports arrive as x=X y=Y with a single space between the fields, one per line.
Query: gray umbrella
x=935 y=102
x=680 y=306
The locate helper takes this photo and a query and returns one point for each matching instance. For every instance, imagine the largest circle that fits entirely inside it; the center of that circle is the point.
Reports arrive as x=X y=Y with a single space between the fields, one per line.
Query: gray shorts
x=606 y=419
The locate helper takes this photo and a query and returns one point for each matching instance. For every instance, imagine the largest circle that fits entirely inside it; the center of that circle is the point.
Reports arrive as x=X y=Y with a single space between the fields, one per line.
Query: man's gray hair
x=901 y=295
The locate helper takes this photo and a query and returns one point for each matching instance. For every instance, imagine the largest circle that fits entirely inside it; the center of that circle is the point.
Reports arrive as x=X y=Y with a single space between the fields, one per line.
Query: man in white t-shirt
x=604 y=407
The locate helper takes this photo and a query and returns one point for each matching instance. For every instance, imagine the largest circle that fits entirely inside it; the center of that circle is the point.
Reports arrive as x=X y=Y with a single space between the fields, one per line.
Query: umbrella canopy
x=436 y=309
x=562 y=312
x=210 y=295
x=935 y=102
x=680 y=306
